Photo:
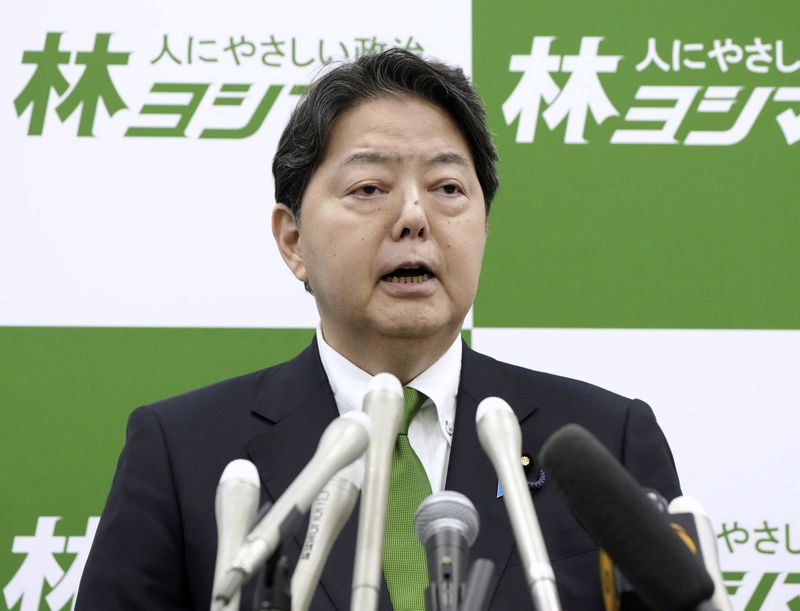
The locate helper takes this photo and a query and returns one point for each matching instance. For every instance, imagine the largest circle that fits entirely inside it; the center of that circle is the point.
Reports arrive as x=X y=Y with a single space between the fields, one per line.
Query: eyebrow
x=371 y=157
x=377 y=157
x=448 y=159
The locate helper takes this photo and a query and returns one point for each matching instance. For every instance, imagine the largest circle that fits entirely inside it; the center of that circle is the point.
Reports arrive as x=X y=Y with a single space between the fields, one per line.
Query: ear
x=287 y=236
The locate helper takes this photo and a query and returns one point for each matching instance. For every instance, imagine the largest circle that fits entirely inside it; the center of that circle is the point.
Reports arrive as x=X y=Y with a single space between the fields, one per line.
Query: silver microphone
x=235 y=506
x=328 y=515
x=447 y=524
x=383 y=403
x=501 y=439
x=343 y=441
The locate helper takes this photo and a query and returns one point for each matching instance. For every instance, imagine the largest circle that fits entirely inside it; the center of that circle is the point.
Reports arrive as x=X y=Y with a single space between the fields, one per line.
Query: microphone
x=343 y=441
x=447 y=524
x=383 y=403
x=235 y=505
x=618 y=593
x=501 y=439
x=329 y=513
x=625 y=522
x=690 y=515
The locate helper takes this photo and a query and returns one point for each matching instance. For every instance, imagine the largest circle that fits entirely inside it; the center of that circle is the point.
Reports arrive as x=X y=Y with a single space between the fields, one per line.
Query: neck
x=403 y=357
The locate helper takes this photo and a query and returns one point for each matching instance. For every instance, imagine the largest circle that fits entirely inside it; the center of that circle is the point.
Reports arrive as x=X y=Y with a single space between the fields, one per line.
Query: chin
x=417 y=328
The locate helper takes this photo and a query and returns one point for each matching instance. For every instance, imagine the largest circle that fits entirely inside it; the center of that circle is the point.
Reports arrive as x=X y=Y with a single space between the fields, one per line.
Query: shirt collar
x=439 y=382
x=348 y=382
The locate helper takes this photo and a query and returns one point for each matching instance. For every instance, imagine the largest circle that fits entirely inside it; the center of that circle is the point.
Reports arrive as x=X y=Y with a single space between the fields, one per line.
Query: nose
x=412 y=221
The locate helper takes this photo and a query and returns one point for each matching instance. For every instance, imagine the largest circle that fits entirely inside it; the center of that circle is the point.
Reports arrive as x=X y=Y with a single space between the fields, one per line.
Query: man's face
x=393 y=225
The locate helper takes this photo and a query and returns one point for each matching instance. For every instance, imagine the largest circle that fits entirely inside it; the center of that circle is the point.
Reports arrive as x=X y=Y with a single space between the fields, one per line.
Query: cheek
x=464 y=250
x=319 y=257
x=342 y=265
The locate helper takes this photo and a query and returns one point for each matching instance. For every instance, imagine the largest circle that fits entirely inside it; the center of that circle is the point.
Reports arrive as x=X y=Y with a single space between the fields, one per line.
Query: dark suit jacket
x=156 y=543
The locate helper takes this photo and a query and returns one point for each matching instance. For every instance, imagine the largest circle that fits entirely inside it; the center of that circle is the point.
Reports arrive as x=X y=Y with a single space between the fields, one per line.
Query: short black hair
x=390 y=73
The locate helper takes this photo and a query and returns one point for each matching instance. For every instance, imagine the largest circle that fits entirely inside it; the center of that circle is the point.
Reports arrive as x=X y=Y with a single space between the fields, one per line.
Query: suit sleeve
x=646 y=453
x=137 y=557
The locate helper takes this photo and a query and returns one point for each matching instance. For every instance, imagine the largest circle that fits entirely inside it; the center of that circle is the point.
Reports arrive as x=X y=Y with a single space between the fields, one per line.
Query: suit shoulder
x=236 y=396
x=265 y=392
x=549 y=388
x=241 y=386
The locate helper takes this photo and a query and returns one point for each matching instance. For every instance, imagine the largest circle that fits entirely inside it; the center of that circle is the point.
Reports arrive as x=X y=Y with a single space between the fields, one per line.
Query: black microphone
x=625 y=522
x=693 y=526
x=447 y=524
x=618 y=593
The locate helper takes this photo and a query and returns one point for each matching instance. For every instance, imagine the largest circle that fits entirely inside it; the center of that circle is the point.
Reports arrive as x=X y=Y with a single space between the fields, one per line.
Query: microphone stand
x=476 y=595
x=273 y=590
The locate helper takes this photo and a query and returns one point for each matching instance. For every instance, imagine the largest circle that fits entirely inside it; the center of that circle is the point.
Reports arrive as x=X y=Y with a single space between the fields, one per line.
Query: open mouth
x=409 y=275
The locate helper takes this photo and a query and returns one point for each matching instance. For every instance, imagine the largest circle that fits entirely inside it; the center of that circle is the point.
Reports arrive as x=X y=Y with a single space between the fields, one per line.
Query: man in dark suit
x=384 y=175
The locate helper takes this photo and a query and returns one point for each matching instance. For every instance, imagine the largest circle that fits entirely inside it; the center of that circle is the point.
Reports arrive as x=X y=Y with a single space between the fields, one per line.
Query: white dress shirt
x=431 y=431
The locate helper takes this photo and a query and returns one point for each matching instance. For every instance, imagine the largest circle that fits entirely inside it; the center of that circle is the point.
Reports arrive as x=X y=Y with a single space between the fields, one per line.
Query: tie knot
x=413 y=401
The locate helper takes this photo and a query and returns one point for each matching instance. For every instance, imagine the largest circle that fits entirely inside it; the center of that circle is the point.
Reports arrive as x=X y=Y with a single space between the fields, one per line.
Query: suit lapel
x=298 y=402
x=300 y=405
x=470 y=471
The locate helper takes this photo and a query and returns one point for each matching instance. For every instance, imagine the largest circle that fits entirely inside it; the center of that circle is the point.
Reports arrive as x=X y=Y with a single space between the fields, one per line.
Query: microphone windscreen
x=625 y=522
x=242 y=471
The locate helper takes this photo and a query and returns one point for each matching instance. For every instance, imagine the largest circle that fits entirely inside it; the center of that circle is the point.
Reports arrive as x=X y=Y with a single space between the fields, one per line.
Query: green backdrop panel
x=642 y=235
x=67 y=393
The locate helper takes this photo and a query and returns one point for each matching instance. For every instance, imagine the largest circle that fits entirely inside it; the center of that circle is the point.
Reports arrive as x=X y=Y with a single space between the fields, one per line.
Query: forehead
x=397 y=128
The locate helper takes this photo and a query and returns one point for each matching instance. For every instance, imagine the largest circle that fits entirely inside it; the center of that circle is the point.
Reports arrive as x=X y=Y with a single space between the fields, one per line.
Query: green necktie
x=404 y=562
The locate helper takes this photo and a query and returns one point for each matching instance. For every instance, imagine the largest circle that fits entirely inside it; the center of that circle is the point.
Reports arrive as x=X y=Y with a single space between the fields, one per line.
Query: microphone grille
x=451 y=506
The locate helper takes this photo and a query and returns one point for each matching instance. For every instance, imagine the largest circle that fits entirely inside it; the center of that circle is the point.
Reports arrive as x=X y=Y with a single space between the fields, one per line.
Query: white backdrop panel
x=120 y=231
x=727 y=401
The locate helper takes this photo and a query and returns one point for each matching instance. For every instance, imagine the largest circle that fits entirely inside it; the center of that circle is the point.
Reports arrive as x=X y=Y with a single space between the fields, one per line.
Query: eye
x=450 y=188
x=367 y=191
